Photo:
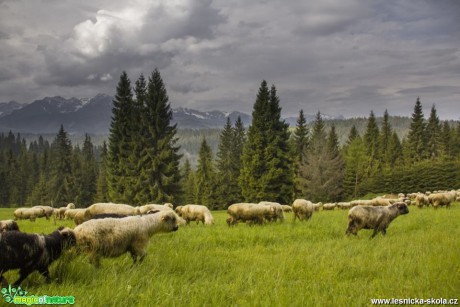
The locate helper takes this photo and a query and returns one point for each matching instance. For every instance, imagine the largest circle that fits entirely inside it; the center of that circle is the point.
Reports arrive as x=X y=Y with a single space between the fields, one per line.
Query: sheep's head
x=170 y=219
x=402 y=208
x=68 y=236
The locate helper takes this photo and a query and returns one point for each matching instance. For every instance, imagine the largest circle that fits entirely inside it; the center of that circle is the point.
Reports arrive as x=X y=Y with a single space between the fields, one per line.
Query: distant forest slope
x=190 y=139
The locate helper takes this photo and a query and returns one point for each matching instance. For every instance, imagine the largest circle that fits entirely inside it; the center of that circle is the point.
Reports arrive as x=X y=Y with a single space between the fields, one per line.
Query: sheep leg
x=23 y=273
x=95 y=260
x=45 y=273
x=351 y=227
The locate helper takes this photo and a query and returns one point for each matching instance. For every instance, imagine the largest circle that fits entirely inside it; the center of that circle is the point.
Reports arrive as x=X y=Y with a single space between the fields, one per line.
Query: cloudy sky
x=344 y=57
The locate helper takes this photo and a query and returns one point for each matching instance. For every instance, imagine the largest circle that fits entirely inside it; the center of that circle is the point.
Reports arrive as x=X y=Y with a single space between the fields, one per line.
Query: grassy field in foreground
x=287 y=264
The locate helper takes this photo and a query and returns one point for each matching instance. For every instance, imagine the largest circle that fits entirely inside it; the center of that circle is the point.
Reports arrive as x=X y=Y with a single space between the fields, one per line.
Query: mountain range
x=94 y=116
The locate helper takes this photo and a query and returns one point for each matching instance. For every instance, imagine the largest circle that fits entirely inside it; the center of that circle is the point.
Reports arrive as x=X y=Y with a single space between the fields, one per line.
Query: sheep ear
x=166 y=218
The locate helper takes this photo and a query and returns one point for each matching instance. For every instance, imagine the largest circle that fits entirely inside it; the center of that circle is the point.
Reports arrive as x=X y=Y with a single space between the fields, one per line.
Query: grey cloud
x=186 y=88
x=339 y=57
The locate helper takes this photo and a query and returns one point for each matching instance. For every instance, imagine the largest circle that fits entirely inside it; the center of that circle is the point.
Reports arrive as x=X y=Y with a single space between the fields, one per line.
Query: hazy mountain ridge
x=93 y=116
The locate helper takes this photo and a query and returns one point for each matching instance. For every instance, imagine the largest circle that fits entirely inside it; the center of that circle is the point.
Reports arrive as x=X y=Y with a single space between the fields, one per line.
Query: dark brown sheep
x=377 y=218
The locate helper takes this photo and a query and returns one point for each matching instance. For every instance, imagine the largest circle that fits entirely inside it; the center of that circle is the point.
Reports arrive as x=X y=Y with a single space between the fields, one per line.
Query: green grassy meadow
x=284 y=264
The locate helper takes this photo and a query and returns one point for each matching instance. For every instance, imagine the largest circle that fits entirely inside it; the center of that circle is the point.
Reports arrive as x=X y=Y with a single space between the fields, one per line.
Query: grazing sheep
x=303 y=209
x=195 y=213
x=8 y=225
x=344 y=205
x=248 y=212
x=70 y=213
x=377 y=218
x=278 y=209
x=421 y=200
x=329 y=206
x=32 y=252
x=109 y=215
x=100 y=208
x=145 y=208
x=112 y=237
x=28 y=213
x=442 y=199
x=286 y=208
x=47 y=211
x=79 y=216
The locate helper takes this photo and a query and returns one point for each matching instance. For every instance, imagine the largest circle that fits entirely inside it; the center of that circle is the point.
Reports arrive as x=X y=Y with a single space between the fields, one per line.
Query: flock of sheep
x=110 y=230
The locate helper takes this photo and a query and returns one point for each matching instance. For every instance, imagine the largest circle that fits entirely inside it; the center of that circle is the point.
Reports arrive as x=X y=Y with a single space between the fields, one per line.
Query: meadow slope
x=286 y=264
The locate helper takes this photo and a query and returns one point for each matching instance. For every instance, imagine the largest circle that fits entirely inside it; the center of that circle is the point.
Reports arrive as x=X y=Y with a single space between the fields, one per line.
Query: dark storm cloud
x=339 y=57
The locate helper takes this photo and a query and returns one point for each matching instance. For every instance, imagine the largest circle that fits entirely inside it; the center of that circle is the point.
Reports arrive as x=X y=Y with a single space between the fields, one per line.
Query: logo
x=20 y=296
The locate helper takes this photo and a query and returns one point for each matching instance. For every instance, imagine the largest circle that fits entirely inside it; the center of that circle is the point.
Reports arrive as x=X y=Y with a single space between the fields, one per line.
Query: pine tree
x=395 y=149
x=300 y=137
x=416 y=136
x=227 y=190
x=352 y=135
x=86 y=183
x=355 y=168
x=267 y=168
x=333 y=141
x=205 y=177
x=120 y=142
x=447 y=139
x=61 y=176
x=189 y=183
x=371 y=140
x=385 y=138
x=433 y=135
x=321 y=173
x=159 y=163
x=102 y=186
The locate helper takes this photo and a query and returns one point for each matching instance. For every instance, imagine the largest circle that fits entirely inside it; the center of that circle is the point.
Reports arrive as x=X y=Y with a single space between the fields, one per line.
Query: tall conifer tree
x=121 y=142
x=416 y=136
x=267 y=168
x=159 y=163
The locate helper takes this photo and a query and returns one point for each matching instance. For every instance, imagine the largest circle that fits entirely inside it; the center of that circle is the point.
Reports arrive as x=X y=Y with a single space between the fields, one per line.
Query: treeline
x=267 y=161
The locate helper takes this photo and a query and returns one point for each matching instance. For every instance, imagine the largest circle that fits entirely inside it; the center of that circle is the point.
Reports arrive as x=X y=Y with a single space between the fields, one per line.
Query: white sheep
x=28 y=213
x=47 y=211
x=112 y=237
x=105 y=208
x=248 y=212
x=329 y=206
x=303 y=209
x=442 y=199
x=278 y=209
x=195 y=213
x=145 y=208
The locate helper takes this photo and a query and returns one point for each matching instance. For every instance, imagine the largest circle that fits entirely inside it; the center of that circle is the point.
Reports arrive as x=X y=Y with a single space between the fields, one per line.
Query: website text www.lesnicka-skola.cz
x=414 y=301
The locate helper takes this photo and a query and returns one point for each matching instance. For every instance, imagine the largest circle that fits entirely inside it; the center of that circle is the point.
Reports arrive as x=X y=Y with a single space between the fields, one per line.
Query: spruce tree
x=61 y=176
x=159 y=162
x=121 y=143
x=355 y=168
x=371 y=140
x=385 y=138
x=447 y=139
x=300 y=137
x=352 y=135
x=88 y=175
x=433 y=135
x=416 y=136
x=321 y=173
x=102 y=188
x=227 y=190
x=333 y=141
x=189 y=185
x=267 y=168
x=205 y=177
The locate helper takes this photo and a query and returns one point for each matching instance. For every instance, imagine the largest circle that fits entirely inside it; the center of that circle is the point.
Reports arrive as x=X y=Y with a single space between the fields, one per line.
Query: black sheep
x=32 y=252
